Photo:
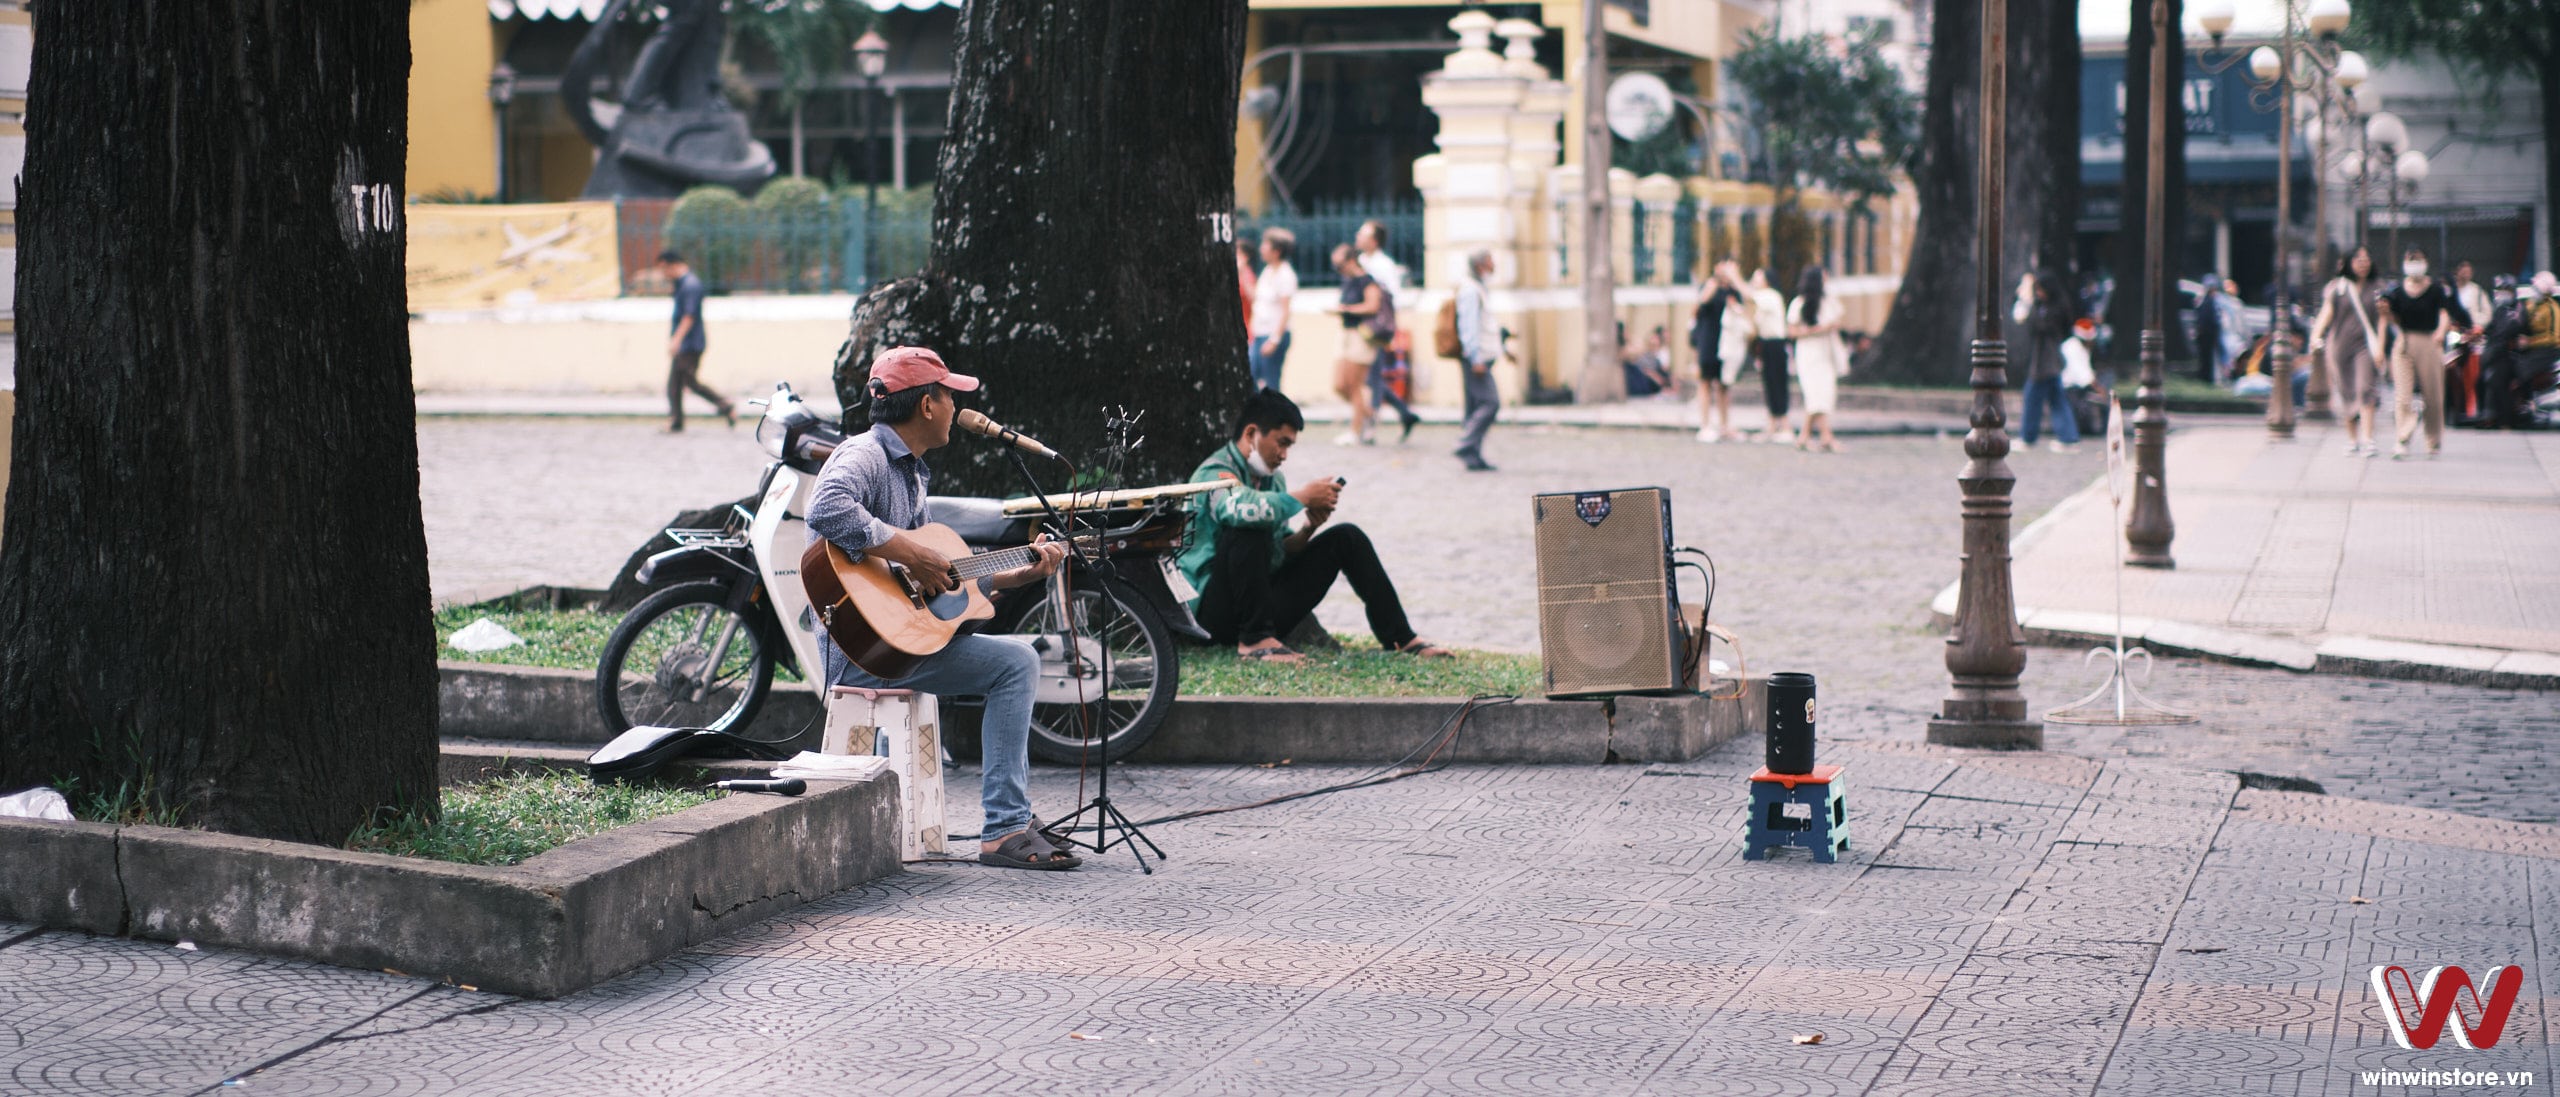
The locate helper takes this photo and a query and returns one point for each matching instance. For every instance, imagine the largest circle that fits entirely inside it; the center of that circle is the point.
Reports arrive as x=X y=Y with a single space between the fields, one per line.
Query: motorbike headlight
x=769 y=432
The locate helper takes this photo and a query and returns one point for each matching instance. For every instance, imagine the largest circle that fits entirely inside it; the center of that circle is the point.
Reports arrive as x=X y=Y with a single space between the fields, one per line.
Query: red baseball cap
x=898 y=369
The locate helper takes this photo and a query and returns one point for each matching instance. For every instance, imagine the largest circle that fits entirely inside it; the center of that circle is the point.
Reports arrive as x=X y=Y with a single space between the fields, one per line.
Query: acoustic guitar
x=881 y=618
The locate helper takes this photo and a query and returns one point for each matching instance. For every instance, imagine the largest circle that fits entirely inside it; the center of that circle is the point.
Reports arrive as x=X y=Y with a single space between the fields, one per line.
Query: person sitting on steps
x=1261 y=556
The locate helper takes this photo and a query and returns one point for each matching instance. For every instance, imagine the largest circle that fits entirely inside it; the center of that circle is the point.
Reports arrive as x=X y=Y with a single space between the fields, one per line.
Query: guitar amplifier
x=1608 y=612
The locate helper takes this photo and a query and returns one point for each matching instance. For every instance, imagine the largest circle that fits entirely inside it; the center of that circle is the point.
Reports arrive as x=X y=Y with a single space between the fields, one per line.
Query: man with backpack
x=1466 y=334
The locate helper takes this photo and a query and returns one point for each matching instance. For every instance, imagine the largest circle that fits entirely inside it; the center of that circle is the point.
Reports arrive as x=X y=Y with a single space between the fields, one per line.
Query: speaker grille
x=1604 y=591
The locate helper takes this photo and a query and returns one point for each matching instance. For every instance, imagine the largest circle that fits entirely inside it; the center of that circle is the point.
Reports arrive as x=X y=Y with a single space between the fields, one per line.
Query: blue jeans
x=2044 y=390
x=1006 y=672
x=1266 y=367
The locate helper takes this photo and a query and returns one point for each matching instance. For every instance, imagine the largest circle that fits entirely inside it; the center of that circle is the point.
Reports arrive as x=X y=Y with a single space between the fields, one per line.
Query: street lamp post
x=871 y=53
x=1985 y=650
x=502 y=91
x=2149 y=530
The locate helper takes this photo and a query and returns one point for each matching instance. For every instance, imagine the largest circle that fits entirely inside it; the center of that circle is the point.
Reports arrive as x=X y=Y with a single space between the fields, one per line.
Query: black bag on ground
x=641 y=751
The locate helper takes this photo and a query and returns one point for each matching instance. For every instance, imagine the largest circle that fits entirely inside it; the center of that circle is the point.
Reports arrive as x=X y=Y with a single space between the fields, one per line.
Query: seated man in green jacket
x=1260 y=555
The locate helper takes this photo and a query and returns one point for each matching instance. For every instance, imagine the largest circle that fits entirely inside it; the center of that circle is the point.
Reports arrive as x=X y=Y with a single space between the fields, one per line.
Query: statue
x=674 y=130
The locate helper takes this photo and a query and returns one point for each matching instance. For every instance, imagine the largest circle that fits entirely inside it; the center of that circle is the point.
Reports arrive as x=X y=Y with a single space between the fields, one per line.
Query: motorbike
x=729 y=611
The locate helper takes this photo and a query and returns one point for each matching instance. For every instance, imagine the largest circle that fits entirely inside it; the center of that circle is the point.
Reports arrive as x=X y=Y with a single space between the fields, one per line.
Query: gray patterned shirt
x=871 y=488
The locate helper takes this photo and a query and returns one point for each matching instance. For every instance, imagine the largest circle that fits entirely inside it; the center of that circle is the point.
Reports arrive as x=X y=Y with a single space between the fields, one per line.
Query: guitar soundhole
x=948 y=605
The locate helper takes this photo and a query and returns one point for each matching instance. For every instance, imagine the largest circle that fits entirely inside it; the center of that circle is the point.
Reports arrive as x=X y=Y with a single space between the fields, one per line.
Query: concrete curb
x=563 y=921
x=540 y=704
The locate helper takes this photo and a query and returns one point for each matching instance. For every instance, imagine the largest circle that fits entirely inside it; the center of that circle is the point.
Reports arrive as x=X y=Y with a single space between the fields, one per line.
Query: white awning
x=546 y=9
x=589 y=9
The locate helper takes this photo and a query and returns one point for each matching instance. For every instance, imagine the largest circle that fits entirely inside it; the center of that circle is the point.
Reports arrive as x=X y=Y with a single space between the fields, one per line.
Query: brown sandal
x=1420 y=648
x=1028 y=849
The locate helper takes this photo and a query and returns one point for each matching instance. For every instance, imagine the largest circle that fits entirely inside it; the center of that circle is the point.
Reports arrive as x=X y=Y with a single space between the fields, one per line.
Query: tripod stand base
x=1107 y=818
x=2116 y=703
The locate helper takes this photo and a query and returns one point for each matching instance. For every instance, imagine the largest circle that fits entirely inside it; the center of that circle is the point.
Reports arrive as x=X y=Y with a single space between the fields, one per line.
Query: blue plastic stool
x=1803 y=810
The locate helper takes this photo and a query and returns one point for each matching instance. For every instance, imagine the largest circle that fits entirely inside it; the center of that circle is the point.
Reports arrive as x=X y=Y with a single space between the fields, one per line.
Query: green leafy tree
x=809 y=39
x=2487 y=42
x=1832 y=116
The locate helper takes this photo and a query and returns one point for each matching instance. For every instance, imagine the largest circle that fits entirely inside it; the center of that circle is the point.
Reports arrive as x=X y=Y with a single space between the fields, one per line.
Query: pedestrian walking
x=1368 y=326
x=1813 y=321
x=685 y=343
x=1272 y=293
x=1716 y=333
x=1769 y=341
x=1371 y=241
x=1479 y=346
x=2420 y=310
x=1244 y=282
x=2350 y=334
x=2208 y=329
x=2047 y=319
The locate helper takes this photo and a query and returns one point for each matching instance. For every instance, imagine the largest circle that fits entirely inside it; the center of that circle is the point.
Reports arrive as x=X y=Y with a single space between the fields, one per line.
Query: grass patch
x=1360 y=669
x=506 y=821
x=574 y=639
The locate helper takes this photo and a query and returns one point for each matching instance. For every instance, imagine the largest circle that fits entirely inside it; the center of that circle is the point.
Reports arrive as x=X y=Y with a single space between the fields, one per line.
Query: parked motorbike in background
x=730 y=611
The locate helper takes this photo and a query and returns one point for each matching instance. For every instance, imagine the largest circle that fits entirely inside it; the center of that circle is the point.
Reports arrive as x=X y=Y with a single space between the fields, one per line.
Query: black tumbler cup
x=1790 y=723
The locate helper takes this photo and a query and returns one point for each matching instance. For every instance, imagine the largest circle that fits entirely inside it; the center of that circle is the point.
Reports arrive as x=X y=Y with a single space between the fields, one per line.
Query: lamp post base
x=1987 y=734
x=2161 y=561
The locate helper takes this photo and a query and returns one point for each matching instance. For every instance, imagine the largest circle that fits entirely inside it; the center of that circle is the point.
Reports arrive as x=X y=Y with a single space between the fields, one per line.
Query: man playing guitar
x=870 y=494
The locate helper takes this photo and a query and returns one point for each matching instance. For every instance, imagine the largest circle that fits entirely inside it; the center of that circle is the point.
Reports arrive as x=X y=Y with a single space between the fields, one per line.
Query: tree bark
x=214 y=592
x=1928 y=337
x=2033 y=147
x=1083 y=235
x=2549 y=76
x=2059 y=249
x=2124 y=313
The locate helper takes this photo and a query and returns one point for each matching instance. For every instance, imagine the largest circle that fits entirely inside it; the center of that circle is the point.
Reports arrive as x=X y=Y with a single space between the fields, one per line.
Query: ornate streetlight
x=1985 y=652
x=2302 y=56
x=871 y=54
x=2149 y=530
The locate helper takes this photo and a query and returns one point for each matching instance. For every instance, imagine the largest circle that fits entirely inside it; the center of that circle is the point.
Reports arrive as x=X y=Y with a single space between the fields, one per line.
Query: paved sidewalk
x=2018 y=924
x=2295 y=555
x=1919 y=417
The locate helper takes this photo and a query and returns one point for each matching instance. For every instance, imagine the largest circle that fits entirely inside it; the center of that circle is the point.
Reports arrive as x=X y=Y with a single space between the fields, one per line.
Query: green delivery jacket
x=1257 y=502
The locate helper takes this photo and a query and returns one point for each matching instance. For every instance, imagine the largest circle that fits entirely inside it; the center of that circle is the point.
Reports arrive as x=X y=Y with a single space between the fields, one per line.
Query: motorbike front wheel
x=1108 y=672
x=683 y=659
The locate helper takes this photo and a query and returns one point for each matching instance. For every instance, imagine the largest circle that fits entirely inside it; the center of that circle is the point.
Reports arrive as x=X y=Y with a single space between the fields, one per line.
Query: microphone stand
x=1107 y=817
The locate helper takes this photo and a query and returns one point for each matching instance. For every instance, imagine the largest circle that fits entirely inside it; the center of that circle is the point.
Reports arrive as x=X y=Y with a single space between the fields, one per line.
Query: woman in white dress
x=1813 y=321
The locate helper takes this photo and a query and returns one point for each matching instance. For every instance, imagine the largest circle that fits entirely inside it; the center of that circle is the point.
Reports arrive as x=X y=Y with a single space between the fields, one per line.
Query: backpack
x=1444 y=331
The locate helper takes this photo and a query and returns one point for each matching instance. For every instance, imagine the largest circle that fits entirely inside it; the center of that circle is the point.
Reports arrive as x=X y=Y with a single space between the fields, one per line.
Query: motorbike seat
x=977 y=521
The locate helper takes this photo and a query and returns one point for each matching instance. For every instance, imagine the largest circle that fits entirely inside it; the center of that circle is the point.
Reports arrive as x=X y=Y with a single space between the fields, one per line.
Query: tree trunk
x=2125 y=313
x=1928 y=338
x=1083 y=235
x=2033 y=148
x=2059 y=249
x=214 y=592
x=2549 y=74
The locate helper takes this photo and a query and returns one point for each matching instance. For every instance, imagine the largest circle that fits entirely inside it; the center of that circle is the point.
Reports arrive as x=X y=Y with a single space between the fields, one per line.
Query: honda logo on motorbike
x=2416 y=1012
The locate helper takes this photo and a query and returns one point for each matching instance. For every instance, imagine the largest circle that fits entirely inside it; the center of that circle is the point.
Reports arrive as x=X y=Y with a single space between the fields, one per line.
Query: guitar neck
x=984 y=564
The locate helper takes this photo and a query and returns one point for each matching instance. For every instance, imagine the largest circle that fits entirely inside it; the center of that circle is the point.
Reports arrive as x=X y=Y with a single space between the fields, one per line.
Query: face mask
x=2414 y=269
x=2503 y=298
x=1253 y=459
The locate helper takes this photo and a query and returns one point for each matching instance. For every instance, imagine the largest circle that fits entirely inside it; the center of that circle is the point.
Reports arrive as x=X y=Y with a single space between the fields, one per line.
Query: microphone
x=788 y=786
x=973 y=422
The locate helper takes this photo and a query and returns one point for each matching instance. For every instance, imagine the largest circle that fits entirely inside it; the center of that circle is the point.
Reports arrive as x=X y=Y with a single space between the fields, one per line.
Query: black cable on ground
x=1429 y=751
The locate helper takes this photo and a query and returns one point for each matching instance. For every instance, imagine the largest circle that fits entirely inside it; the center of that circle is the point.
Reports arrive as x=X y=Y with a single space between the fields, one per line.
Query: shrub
x=804 y=232
x=710 y=227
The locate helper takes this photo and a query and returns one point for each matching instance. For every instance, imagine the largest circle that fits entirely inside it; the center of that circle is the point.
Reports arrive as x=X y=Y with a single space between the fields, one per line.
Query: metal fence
x=1321 y=226
x=751 y=250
